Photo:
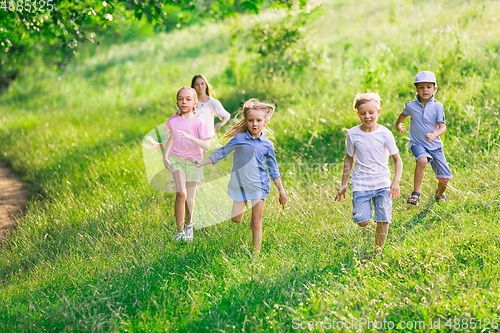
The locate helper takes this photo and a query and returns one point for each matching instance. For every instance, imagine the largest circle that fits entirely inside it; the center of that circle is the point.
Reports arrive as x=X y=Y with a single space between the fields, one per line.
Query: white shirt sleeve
x=219 y=110
x=350 y=148
x=390 y=143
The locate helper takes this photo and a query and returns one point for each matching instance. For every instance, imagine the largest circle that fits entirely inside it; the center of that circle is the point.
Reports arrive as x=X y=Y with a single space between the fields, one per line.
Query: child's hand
x=283 y=199
x=400 y=127
x=394 y=191
x=185 y=135
x=196 y=162
x=341 y=193
x=166 y=163
x=430 y=136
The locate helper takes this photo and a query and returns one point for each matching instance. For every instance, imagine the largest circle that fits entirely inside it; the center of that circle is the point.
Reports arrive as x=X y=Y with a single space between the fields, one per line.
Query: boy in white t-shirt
x=372 y=144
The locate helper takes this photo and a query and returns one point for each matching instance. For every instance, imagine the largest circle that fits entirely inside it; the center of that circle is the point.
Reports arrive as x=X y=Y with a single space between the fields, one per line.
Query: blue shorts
x=436 y=158
x=362 y=205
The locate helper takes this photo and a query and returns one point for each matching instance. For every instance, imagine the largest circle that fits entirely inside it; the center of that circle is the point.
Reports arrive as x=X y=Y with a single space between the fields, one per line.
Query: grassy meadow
x=94 y=250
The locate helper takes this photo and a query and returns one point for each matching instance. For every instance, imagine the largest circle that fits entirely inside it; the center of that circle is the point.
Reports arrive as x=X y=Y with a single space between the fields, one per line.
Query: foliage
x=55 y=28
x=279 y=48
x=94 y=251
x=54 y=32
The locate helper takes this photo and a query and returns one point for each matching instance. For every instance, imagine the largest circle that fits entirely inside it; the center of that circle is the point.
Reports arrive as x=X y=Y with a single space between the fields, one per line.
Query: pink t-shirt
x=183 y=147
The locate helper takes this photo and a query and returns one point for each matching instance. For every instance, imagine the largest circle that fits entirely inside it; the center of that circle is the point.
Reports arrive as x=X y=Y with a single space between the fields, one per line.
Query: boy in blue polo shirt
x=426 y=126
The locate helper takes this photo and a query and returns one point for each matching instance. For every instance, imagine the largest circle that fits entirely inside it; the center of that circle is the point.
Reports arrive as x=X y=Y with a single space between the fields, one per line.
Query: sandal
x=441 y=199
x=414 y=198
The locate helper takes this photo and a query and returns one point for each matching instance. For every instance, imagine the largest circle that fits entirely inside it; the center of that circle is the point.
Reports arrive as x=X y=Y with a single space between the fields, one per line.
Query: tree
x=54 y=28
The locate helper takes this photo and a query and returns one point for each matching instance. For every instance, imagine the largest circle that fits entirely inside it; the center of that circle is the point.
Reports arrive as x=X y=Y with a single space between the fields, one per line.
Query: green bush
x=275 y=49
x=94 y=251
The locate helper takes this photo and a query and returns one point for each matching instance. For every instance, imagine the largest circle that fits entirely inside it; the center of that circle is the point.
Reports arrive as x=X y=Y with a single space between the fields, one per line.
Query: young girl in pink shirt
x=189 y=137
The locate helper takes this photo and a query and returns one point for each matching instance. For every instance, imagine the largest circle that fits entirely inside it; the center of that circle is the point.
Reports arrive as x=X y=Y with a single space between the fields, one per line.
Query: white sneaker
x=180 y=236
x=189 y=232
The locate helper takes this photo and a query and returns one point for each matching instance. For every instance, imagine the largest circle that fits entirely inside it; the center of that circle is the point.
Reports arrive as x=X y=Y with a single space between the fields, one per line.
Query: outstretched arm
x=399 y=123
x=398 y=170
x=440 y=131
x=200 y=164
x=348 y=161
x=283 y=198
x=203 y=144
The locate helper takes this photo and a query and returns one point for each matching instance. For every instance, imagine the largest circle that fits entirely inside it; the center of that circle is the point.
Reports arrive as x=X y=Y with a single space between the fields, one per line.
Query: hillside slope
x=94 y=251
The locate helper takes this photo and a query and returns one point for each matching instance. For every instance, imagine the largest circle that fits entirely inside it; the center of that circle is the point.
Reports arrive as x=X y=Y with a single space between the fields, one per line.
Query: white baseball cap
x=425 y=76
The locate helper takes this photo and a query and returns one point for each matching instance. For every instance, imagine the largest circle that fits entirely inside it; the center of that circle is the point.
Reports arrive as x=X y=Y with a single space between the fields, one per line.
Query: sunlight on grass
x=94 y=250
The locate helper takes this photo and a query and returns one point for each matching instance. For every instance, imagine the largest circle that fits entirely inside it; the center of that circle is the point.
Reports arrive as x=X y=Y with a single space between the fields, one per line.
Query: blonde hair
x=149 y=142
x=241 y=125
x=208 y=91
x=361 y=99
x=195 y=97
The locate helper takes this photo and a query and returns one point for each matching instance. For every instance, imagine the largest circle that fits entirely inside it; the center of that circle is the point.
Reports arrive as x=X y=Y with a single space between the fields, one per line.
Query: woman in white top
x=208 y=108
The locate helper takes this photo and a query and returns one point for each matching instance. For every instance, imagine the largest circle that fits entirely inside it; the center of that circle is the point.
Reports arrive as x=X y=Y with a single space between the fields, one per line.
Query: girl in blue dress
x=249 y=176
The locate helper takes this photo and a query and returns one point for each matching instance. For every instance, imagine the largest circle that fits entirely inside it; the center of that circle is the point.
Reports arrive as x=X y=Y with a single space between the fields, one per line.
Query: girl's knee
x=180 y=195
x=256 y=224
x=190 y=202
x=364 y=223
x=236 y=219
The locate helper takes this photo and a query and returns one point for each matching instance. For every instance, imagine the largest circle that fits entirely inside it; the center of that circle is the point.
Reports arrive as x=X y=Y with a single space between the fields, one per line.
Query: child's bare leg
x=180 y=198
x=442 y=185
x=191 y=191
x=419 y=173
x=238 y=210
x=363 y=236
x=256 y=223
x=381 y=234
x=364 y=223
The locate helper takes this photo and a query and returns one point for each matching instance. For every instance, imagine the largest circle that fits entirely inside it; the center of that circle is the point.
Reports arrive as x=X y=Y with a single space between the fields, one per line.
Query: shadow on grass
x=161 y=289
x=422 y=215
x=418 y=219
x=60 y=234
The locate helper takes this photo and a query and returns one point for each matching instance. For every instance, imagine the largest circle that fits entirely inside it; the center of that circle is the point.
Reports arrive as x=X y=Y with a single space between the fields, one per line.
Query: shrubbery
x=278 y=51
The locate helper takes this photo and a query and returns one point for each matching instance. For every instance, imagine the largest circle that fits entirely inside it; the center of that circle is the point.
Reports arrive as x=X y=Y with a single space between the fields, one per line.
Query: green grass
x=94 y=251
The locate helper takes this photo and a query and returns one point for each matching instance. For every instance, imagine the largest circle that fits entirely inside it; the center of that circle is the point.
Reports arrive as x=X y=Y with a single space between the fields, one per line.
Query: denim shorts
x=192 y=172
x=436 y=158
x=362 y=205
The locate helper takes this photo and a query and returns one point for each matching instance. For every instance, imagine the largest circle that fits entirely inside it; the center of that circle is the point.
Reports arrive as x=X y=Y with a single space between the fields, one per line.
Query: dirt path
x=13 y=197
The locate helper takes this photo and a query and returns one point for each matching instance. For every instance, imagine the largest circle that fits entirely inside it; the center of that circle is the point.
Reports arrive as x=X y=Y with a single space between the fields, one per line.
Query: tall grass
x=94 y=251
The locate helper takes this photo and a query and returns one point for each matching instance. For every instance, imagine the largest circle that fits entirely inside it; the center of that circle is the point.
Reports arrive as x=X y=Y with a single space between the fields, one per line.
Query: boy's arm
x=398 y=170
x=283 y=198
x=440 y=131
x=399 y=123
x=348 y=161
